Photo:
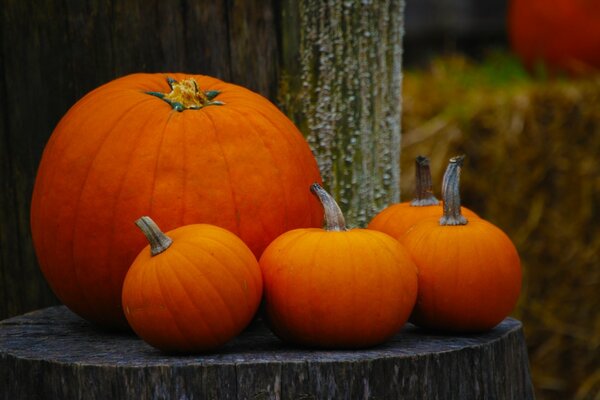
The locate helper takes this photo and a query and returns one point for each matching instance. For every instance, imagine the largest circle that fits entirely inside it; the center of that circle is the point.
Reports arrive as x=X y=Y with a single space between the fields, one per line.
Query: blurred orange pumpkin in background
x=561 y=35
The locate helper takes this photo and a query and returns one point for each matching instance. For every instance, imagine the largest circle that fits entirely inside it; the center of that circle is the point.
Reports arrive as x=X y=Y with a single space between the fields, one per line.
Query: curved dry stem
x=451 y=193
x=423 y=186
x=159 y=242
x=334 y=218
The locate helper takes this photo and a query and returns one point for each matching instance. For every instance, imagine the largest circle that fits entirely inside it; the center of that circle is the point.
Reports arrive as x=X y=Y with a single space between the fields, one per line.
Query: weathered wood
x=53 y=354
x=341 y=84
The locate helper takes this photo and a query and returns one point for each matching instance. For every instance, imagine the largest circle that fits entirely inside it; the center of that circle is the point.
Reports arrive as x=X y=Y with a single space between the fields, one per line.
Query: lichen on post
x=341 y=83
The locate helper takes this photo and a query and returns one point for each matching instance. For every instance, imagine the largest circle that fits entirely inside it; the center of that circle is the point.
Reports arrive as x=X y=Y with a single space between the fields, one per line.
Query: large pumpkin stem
x=451 y=193
x=334 y=218
x=423 y=187
x=186 y=95
x=159 y=242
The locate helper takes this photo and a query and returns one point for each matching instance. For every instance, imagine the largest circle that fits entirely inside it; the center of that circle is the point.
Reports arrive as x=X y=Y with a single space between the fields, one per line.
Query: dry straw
x=533 y=168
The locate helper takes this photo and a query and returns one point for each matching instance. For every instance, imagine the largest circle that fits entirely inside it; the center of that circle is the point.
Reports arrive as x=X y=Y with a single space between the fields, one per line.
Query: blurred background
x=435 y=27
x=515 y=86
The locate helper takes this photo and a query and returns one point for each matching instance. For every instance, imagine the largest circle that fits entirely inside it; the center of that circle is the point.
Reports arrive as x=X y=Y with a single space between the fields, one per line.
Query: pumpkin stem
x=334 y=218
x=423 y=187
x=451 y=193
x=186 y=95
x=159 y=242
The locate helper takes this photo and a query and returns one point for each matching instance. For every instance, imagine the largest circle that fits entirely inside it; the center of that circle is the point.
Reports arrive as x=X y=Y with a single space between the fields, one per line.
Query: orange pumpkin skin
x=120 y=153
x=337 y=289
x=397 y=219
x=563 y=34
x=469 y=276
x=197 y=294
x=469 y=270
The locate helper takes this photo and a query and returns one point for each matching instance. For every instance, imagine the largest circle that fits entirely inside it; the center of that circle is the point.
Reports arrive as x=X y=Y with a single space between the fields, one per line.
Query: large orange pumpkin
x=562 y=34
x=181 y=149
x=192 y=289
x=469 y=270
x=337 y=288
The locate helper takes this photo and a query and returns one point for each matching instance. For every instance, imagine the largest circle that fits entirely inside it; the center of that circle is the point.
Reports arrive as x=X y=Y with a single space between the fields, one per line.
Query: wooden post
x=341 y=84
x=53 y=354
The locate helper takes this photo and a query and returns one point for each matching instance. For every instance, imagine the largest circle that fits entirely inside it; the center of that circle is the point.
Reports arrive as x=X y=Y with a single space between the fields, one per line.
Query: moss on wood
x=340 y=83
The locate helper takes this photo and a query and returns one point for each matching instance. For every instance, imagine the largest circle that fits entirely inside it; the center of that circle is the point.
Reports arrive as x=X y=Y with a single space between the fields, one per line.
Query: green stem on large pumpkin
x=159 y=242
x=334 y=218
x=451 y=194
x=423 y=187
x=186 y=95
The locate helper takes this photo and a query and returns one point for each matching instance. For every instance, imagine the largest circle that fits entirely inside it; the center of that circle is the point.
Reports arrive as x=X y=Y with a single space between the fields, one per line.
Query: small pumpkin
x=334 y=287
x=469 y=270
x=396 y=219
x=564 y=35
x=184 y=149
x=192 y=289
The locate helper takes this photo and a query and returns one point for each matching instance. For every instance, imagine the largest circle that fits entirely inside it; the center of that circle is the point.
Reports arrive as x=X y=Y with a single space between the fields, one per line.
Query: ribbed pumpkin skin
x=469 y=275
x=398 y=218
x=196 y=295
x=337 y=289
x=564 y=34
x=120 y=153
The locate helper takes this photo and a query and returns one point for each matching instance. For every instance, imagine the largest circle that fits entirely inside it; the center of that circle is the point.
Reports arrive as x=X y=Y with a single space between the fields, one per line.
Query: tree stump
x=53 y=354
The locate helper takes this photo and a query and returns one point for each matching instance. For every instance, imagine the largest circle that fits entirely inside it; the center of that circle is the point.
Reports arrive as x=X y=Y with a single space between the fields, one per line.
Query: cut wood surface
x=53 y=354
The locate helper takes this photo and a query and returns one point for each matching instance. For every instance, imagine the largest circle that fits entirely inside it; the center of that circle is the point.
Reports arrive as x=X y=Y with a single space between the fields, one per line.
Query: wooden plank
x=206 y=38
x=28 y=108
x=253 y=45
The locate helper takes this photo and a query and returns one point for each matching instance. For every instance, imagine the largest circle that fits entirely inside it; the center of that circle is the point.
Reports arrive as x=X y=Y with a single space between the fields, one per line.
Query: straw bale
x=533 y=169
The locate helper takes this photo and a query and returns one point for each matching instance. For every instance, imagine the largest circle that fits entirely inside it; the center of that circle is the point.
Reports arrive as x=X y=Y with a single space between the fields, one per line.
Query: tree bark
x=341 y=84
x=53 y=354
